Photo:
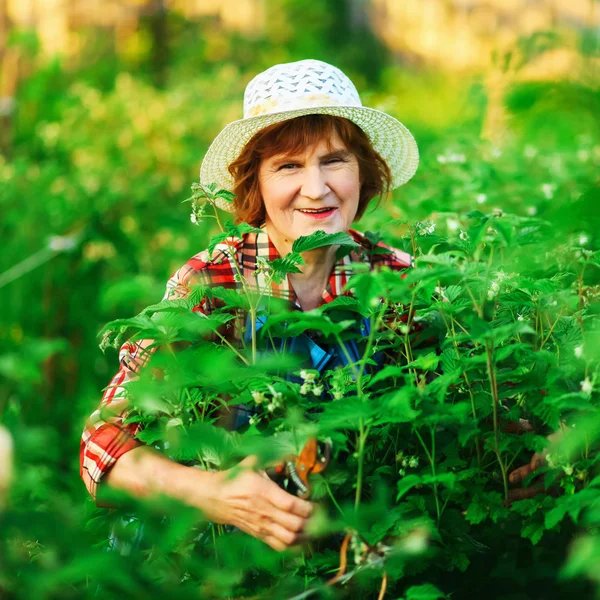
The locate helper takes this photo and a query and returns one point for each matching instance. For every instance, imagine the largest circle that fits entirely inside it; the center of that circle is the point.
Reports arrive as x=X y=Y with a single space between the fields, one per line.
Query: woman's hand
x=537 y=460
x=518 y=475
x=253 y=503
x=245 y=498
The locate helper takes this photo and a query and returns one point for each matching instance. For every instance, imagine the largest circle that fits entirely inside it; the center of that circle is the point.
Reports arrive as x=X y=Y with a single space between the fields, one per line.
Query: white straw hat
x=300 y=88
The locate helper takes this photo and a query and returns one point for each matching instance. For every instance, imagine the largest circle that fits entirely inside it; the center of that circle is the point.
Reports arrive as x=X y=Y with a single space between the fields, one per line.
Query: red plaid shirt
x=105 y=437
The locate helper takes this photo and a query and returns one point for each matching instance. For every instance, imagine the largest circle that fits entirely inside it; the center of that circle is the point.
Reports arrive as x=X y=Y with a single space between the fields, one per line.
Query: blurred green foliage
x=102 y=156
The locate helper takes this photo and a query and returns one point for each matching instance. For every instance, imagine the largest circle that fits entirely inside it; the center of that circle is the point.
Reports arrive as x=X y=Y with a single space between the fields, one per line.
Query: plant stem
x=383 y=586
x=253 y=325
x=552 y=326
x=366 y=355
x=495 y=405
x=344 y=350
x=431 y=458
x=335 y=503
x=232 y=348
x=580 y=295
x=478 y=308
x=362 y=439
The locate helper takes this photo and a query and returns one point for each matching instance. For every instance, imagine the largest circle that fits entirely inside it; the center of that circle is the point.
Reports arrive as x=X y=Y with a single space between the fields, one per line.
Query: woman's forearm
x=142 y=472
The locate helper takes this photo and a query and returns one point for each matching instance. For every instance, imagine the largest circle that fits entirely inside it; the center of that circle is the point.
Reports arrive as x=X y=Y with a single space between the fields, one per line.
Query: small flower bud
x=258 y=397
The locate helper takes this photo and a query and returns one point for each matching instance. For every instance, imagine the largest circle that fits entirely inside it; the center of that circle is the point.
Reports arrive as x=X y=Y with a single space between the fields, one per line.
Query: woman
x=306 y=156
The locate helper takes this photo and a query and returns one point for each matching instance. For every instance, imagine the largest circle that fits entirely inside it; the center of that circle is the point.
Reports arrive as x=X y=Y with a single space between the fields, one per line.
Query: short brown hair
x=291 y=137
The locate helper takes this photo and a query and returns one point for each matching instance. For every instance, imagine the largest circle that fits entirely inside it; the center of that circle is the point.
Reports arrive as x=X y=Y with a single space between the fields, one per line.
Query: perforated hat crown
x=303 y=84
x=291 y=90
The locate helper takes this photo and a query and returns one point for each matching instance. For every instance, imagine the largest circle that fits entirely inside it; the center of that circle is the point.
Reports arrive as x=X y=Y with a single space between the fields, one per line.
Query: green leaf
x=439 y=386
x=236 y=232
x=231 y=298
x=555 y=516
x=386 y=373
x=293 y=324
x=344 y=302
x=176 y=305
x=426 y=362
x=320 y=239
x=288 y=264
x=150 y=435
x=397 y=407
x=225 y=195
x=346 y=415
x=367 y=289
x=427 y=591
x=460 y=560
x=406 y=484
x=374 y=237
x=476 y=512
x=215 y=240
x=533 y=531
x=453 y=292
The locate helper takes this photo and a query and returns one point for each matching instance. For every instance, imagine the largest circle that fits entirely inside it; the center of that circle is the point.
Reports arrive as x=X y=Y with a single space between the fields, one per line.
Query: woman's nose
x=314 y=184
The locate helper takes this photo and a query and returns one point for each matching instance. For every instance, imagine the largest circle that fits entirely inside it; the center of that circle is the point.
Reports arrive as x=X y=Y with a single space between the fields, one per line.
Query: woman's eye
x=288 y=167
x=333 y=161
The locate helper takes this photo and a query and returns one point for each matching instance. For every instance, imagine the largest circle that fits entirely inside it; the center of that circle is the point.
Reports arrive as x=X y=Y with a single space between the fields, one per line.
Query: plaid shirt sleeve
x=106 y=437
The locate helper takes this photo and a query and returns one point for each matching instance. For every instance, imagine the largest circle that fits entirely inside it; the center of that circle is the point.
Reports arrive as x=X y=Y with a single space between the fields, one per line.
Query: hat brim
x=390 y=138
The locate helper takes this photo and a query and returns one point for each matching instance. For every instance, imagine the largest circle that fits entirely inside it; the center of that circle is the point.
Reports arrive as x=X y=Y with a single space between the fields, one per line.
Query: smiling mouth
x=318 y=213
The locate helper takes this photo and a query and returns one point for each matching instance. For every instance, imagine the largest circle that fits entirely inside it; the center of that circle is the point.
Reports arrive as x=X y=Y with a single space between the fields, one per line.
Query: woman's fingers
x=538 y=460
x=524 y=493
x=289 y=521
x=518 y=475
x=275 y=543
x=288 y=503
x=285 y=536
x=260 y=507
x=266 y=524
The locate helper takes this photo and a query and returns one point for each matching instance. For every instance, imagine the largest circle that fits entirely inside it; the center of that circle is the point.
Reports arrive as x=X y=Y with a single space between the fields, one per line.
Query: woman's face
x=316 y=189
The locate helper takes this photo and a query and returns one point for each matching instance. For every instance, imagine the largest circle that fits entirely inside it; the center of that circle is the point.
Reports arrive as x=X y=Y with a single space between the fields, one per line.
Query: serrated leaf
x=396 y=407
x=460 y=560
x=453 y=292
x=449 y=360
x=320 y=239
x=533 y=531
x=150 y=435
x=174 y=305
x=231 y=298
x=386 y=373
x=235 y=232
x=406 y=484
x=346 y=415
x=345 y=302
x=555 y=516
x=426 y=362
x=288 y=264
x=476 y=512
x=225 y=195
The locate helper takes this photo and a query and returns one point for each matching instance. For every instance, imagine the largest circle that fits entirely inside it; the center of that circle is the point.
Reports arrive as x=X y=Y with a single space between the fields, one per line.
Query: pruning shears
x=292 y=474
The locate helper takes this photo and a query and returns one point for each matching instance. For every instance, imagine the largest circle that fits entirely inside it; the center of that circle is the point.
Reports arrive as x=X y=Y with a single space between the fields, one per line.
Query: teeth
x=319 y=210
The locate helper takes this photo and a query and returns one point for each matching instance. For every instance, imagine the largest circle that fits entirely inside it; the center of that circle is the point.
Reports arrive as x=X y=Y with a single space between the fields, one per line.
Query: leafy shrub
x=498 y=350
